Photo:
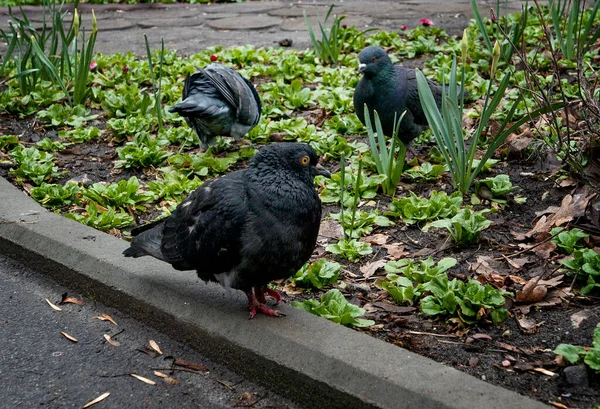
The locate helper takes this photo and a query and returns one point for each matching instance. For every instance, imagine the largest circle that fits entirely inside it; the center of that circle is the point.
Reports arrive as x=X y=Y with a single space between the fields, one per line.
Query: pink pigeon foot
x=256 y=306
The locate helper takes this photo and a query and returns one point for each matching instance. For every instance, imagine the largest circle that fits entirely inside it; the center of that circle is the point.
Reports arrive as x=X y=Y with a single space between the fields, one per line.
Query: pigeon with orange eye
x=246 y=228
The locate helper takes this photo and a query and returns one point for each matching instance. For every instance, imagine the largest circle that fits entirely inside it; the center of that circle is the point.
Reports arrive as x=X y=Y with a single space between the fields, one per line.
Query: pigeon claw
x=256 y=305
x=260 y=292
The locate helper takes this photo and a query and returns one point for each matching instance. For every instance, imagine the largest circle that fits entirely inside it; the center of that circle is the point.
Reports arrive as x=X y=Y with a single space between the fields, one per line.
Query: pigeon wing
x=237 y=91
x=413 y=103
x=204 y=231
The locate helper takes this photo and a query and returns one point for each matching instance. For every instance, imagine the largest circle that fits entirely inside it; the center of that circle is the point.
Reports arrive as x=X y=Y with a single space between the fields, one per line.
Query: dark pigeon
x=218 y=101
x=244 y=229
x=391 y=89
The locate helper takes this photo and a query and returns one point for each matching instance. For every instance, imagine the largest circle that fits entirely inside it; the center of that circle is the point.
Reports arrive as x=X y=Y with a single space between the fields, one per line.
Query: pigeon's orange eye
x=305 y=160
x=374 y=59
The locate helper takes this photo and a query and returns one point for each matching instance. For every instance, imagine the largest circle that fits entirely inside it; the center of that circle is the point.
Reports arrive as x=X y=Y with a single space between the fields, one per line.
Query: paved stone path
x=191 y=28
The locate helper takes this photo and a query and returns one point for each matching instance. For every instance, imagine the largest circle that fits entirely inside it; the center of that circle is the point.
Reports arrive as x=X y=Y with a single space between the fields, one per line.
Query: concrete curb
x=311 y=360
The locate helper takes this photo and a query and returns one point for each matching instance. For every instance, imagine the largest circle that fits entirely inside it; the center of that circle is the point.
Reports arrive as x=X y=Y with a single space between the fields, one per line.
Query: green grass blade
x=481 y=25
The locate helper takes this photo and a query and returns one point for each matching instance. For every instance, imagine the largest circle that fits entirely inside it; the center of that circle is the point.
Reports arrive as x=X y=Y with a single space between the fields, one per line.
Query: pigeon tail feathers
x=147 y=243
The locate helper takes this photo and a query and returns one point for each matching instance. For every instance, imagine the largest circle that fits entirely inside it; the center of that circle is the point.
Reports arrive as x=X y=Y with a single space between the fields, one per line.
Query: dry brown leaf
x=568 y=182
x=424 y=252
x=553 y=282
x=98 y=399
x=545 y=371
x=70 y=300
x=329 y=229
x=190 y=365
x=528 y=325
x=532 y=292
x=542 y=251
x=155 y=346
x=517 y=279
x=54 y=307
x=395 y=251
x=571 y=207
x=559 y=405
x=105 y=317
x=141 y=378
x=111 y=341
x=518 y=263
x=579 y=317
x=516 y=144
x=509 y=347
x=482 y=336
x=166 y=378
x=378 y=239
x=247 y=400
x=369 y=269
x=69 y=337
x=484 y=265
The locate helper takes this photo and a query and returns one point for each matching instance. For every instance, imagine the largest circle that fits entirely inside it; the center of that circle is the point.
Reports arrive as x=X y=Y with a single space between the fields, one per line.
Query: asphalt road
x=41 y=368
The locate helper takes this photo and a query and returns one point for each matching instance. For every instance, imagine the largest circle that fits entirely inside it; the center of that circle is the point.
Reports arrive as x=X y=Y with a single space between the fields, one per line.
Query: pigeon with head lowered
x=246 y=228
x=218 y=101
x=390 y=90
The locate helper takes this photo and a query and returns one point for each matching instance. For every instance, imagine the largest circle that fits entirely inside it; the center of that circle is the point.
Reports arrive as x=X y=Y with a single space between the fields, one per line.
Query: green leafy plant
x=586 y=265
x=425 y=172
x=296 y=96
x=572 y=35
x=469 y=302
x=360 y=223
x=318 y=274
x=351 y=249
x=330 y=48
x=464 y=227
x=446 y=124
x=34 y=165
x=80 y=135
x=576 y=354
x=421 y=271
x=130 y=125
x=8 y=141
x=567 y=241
x=102 y=219
x=334 y=306
x=389 y=162
x=61 y=115
x=427 y=283
x=142 y=152
x=203 y=164
x=335 y=188
x=173 y=185
x=124 y=193
x=55 y=196
x=49 y=145
x=52 y=53
x=414 y=209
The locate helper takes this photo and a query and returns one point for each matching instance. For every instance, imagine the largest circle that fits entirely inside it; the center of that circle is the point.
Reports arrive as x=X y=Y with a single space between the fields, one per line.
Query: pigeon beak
x=361 y=67
x=320 y=170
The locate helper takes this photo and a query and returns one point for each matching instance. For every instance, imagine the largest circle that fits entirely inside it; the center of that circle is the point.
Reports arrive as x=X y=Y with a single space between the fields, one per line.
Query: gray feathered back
x=218 y=101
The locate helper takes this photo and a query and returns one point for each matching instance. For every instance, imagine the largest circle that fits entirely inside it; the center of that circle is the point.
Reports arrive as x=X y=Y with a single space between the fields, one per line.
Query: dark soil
x=506 y=355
